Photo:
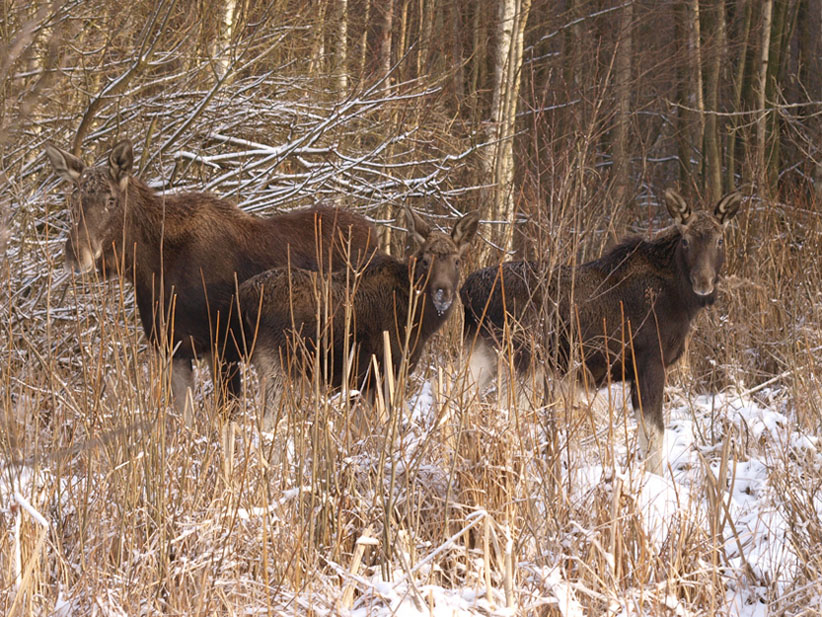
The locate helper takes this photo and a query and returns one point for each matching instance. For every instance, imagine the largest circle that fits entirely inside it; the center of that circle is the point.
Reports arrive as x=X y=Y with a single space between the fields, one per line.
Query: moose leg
x=268 y=369
x=646 y=395
x=182 y=388
x=482 y=361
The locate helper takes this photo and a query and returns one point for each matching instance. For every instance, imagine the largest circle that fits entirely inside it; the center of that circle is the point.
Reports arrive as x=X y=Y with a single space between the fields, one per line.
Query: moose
x=409 y=299
x=186 y=253
x=626 y=315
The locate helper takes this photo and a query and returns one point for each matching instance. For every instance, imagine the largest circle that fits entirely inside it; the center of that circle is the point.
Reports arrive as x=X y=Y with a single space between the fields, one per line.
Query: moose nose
x=80 y=260
x=442 y=299
x=702 y=286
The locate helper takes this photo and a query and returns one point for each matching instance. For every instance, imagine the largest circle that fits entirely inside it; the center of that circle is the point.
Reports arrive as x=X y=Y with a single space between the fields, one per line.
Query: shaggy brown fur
x=186 y=252
x=381 y=301
x=632 y=307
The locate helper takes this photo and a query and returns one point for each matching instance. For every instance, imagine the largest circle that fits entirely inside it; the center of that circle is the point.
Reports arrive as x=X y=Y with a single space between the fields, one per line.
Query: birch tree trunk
x=762 y=117
x=364 y=40
x=318 y=51
x=224 y=40
x=499 y=159
x=386 y=38
x=341 y=51
x=696 y=64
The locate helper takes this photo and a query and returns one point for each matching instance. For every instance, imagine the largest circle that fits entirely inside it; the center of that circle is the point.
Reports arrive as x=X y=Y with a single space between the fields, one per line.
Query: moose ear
x=678 y=208
x=464 y=230
x=65 y=164
x=727 y=207
x=119 y=163
x=417 y=227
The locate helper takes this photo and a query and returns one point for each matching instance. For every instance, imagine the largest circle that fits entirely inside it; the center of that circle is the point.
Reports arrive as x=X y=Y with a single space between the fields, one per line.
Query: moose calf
x=409 y=299
x=627 y=314
x=186 y=253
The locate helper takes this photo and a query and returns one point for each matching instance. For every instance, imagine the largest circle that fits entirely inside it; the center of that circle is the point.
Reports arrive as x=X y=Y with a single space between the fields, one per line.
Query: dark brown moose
x=282 y=306
x=633 y=307
x=186 y=253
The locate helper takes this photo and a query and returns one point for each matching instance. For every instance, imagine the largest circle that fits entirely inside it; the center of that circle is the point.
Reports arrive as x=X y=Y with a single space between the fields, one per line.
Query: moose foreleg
x=646 y=395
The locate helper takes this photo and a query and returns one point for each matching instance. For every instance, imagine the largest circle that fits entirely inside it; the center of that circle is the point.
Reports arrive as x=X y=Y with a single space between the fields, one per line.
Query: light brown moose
x=186 y=253
x=627 y=314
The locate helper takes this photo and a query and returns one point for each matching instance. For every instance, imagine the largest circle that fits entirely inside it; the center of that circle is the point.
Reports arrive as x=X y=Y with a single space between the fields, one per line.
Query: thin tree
x=499 y=161
x=715 y=19
x=762 y=118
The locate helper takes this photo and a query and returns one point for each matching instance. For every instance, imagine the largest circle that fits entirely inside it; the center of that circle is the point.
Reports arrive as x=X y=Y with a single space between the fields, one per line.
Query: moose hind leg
x=482 y=362
x=271 y=385
x=646 y=396
x=182 y=388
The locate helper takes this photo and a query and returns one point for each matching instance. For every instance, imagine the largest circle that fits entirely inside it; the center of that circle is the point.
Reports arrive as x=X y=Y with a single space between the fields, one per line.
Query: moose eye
x=720 y=241
x=684 y=243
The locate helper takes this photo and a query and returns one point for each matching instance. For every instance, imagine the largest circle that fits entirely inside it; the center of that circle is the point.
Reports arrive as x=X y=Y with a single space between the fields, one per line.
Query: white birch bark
x=499 y=160
x=341 y=55
x=761 y=125
x=226 y=34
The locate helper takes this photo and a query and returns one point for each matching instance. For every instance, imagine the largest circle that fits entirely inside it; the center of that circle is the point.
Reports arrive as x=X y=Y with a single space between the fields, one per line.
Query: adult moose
x=187 y=252
x=409 y=299
x=627 y=314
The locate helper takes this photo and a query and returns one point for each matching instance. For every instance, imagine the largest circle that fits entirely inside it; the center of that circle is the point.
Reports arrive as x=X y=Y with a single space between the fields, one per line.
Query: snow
x=705 y=457
x=754 y=529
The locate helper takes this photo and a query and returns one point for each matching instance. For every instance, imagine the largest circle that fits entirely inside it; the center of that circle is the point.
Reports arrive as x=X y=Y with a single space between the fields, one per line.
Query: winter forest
x=562 y=123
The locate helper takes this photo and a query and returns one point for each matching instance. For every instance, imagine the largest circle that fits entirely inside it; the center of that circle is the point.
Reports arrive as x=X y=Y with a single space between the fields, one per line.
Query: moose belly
x=192 y=322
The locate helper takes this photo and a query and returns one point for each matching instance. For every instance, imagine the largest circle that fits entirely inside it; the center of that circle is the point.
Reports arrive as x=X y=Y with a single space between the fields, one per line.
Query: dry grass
x=113 y=506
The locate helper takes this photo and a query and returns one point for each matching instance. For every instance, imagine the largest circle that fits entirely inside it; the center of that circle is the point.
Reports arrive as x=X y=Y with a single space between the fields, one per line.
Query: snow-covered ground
x=724 y=452
x=753 y=527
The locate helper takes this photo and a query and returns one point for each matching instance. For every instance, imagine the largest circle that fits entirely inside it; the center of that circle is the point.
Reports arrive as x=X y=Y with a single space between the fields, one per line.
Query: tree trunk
x=341 y=51
x=364 y=40
x=740 y=80
x=810 y=81
x=386 y=38
x=318 y=51
x=223 y=51
x=402 y=41
x=426 y=21
x=683 y=81
x=499 y=163
x=713 y=156
x=696 y=72
x=479 y=44
x=621 y=152
x=458 y=80
x=762 y=117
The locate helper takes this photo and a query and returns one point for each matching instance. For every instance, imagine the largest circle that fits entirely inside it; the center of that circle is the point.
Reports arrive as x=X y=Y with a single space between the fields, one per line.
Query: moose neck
x=138 y=227
x=427 y=319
